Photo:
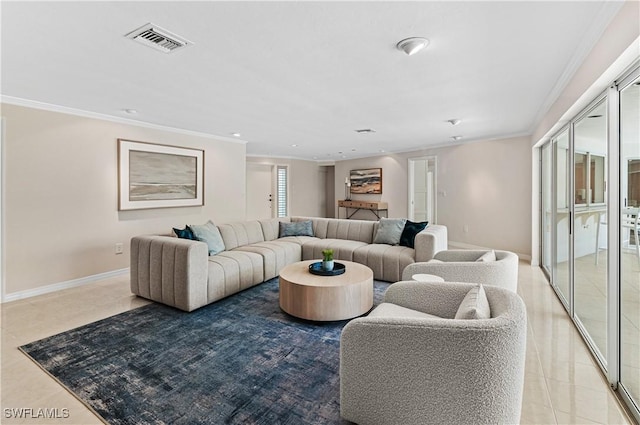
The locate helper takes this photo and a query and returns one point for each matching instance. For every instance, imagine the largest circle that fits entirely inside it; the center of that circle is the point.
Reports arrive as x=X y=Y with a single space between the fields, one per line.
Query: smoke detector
x=152 y=35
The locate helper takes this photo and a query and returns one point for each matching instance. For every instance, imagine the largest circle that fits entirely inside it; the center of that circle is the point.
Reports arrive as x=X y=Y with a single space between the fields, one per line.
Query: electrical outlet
x=119 y=248
x=465 y=228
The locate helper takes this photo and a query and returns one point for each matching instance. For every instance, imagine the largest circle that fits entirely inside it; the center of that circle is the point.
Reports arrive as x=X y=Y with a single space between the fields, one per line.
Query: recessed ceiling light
x=381 y=150
x=412 y=45
x=294 y=146
x=236 y=134
x=130 y=111
x=454 y=121
x=456 y=137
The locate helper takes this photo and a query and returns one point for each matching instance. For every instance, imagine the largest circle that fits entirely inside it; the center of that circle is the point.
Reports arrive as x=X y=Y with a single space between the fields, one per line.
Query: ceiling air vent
x=160 y=39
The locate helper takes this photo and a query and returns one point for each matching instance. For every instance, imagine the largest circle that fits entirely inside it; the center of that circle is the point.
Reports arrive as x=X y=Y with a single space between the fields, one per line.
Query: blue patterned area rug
x=240 y=360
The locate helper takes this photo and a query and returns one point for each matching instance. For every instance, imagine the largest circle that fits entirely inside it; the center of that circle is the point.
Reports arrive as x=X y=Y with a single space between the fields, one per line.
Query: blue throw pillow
x=185 y=233
x=210 y=234
x=299 y=228
x=411 y=229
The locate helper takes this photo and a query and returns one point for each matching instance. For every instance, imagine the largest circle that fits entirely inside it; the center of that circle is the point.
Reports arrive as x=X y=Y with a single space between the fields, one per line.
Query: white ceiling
x=306 y=73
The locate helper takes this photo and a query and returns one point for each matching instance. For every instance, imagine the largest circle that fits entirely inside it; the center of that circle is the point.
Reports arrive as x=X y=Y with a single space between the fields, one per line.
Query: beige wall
x=61 y=215
x=487 y=186
x=307 y=185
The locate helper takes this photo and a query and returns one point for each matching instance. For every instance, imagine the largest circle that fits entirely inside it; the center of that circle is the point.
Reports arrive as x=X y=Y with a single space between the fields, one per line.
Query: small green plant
x=327 y=254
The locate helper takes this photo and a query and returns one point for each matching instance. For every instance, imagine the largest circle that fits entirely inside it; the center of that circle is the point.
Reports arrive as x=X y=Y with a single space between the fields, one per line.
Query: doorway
x=259 y=191
x=422 y=189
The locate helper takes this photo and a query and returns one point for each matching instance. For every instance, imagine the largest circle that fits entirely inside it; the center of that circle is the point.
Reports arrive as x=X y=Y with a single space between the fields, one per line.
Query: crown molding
x=10 y=100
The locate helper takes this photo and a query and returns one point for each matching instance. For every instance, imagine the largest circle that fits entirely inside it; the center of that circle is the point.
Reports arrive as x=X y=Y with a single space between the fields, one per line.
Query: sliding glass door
x=562 y=217
x=590 y=224
x=630 y=260
x=590 y=229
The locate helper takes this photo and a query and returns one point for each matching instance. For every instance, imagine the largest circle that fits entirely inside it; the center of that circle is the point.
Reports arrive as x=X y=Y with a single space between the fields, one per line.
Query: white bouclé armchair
x=460 y=265
x=400 y=366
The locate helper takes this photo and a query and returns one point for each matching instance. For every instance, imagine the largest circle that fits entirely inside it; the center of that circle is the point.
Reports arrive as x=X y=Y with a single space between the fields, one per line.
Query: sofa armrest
x=170 y=270
x=431 y=240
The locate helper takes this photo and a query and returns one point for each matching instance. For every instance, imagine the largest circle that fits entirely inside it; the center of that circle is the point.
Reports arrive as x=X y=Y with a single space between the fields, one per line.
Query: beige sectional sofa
x=181 y=273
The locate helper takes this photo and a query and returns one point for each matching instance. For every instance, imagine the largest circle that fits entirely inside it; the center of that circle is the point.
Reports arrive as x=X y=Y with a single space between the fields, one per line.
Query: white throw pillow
x=487 y=256
x=475 y=305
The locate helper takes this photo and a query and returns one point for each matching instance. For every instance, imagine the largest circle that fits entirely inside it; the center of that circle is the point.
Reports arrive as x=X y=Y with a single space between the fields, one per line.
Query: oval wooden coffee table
x=325 y=298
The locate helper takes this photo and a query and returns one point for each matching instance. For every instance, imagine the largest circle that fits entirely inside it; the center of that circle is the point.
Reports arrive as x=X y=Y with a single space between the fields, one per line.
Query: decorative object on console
x=327 y=259
x=347 y=189
x=411 y=229
x=367 y=180
x=159 y=176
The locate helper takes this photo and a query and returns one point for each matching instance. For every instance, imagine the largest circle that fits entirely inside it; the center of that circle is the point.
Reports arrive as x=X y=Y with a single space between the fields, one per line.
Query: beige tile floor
x=563 y=385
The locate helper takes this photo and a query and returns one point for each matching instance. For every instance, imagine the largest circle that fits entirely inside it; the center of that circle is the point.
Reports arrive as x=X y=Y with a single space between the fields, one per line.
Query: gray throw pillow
x=475 y=305
x=209 y=234
x=389 y=230
x=298 y=228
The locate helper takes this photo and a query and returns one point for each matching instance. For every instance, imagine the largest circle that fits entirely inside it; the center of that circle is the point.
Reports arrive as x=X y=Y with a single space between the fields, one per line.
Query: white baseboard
x=462 y=245
x=14 y=296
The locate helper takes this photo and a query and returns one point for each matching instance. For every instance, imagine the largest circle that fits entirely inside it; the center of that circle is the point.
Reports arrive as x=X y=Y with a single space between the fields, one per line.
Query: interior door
x=422 y=189
x=259 y=191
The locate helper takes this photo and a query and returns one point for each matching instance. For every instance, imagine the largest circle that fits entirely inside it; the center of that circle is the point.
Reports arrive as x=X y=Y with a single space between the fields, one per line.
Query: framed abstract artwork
x=367 y=180
x=159 y=176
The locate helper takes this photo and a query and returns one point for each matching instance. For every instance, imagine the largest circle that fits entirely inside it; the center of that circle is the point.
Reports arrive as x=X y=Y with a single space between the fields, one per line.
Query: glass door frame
x=615 y=293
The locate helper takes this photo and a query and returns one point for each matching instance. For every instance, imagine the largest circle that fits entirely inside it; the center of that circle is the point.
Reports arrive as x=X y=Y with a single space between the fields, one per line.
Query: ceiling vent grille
x=160 y=39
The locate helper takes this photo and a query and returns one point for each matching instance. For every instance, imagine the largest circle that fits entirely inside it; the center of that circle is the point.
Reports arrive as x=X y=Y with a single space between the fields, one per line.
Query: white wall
x=62 y=221
x=487 y=186
x=307 y=182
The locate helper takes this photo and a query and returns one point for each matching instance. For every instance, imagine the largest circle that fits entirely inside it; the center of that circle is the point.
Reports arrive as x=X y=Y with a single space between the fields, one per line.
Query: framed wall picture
x=366 y=180
x=159 y=176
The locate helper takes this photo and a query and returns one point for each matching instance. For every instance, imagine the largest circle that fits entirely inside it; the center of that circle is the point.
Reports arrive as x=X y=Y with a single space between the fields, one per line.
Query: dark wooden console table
x=375 y=207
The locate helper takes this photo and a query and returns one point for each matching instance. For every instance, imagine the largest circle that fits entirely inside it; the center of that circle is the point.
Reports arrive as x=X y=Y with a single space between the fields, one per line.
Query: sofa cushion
x=389 y=231
x=242 y=233
x=333 y=228
x=209 y=234
x=411 y=229
x=386 y=261
x=185 y=233
x=271 y=227
x=342 y=249
x=275 y=254
x=474 y=305
x=231 y=272
x=392 y=311
x=299 y=228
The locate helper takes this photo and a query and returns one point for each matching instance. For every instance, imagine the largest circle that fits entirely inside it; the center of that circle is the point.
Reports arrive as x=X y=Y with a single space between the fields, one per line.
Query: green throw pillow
x=209 y=234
